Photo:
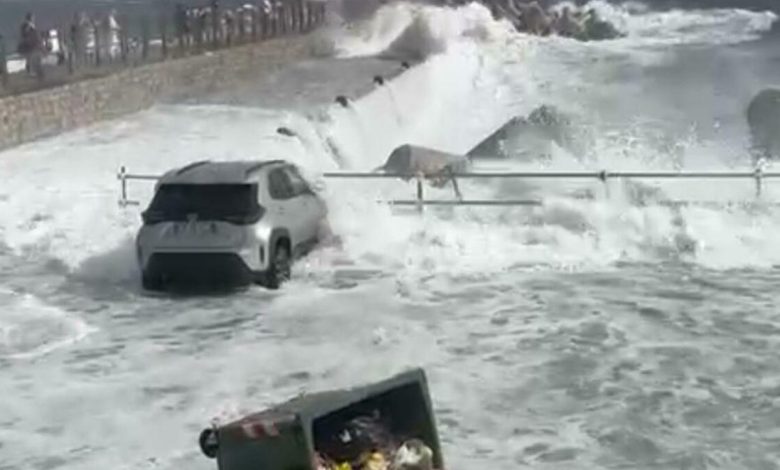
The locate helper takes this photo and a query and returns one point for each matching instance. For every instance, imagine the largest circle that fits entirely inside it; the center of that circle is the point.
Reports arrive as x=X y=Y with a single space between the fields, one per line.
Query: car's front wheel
x=281 y=266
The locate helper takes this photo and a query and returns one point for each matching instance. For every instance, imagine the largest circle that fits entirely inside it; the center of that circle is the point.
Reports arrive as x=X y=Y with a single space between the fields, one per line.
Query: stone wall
x=44 y=113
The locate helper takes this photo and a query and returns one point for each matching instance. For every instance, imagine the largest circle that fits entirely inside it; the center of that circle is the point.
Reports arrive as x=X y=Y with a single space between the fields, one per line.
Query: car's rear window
x=235 y=203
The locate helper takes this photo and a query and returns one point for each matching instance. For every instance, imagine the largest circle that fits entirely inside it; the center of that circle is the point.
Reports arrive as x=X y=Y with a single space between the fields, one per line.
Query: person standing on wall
x=31 y=46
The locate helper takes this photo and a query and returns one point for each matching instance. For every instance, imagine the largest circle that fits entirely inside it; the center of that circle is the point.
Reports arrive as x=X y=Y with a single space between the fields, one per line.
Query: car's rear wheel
x=281 y=266
x=151 y=282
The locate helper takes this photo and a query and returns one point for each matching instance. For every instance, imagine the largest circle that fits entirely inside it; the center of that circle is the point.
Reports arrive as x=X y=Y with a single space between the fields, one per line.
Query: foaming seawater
x=30 y=328
x=598 y=330
x=460 y=93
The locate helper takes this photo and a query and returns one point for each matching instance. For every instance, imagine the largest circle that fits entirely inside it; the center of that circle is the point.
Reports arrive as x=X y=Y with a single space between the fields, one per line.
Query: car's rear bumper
x=217 y=269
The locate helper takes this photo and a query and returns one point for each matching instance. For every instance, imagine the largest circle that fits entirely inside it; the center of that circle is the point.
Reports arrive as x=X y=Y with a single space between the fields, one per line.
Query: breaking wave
x=476 y=73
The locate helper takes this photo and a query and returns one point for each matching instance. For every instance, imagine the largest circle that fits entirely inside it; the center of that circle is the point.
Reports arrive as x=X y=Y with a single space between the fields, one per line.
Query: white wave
x=410 y=31
x=455 y=98
x=645 y=27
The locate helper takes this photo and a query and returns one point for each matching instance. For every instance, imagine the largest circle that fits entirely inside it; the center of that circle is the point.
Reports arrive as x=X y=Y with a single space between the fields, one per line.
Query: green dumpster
x=289 y=436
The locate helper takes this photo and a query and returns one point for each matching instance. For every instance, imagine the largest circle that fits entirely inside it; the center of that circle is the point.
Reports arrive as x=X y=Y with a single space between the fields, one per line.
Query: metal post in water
x=758 y=175
x=420 y=204
x=603 y=177
x=123 y=180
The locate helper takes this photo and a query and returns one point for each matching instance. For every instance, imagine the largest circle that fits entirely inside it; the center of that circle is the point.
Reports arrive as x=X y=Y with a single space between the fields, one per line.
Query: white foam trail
x=30 y=328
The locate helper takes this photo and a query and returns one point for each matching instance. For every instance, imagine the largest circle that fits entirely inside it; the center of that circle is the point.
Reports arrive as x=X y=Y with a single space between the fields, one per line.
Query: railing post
x=242 y=26
x=3 y=63
x=71 y=52
x=254 y=13
x=145 y=38
x=603 y=176
x=123 y=181
x=164 y=36
x=215 y=23
x=124 y=42
x=420 y=198
x=758 y=175
x=98 y=46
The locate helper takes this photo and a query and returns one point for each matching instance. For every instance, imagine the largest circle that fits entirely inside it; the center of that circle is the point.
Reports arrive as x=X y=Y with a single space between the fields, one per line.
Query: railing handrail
x=758 y=175
x=570 y=174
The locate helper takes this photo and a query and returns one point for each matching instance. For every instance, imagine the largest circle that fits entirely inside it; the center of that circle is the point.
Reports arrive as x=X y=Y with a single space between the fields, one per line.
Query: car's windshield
x=230 y=202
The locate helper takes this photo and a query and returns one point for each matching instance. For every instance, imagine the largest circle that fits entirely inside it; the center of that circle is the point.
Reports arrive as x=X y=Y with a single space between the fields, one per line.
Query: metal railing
x=758 y=175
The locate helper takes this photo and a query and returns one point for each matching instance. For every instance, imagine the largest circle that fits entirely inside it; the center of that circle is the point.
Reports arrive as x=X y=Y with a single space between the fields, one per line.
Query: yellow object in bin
x=375 y=461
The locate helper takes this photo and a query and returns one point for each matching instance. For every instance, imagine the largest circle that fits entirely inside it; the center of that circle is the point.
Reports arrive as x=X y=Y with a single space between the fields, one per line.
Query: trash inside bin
x=388 y=425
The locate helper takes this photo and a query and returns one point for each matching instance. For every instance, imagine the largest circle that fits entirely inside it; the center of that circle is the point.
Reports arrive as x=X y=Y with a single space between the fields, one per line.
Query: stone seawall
x=32 y=116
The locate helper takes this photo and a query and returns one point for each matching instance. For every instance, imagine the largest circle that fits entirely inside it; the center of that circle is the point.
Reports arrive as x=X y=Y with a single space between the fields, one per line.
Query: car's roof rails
x=192 y=165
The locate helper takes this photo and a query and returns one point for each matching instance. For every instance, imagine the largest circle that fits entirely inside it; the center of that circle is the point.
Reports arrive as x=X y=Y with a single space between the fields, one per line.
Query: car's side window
x=299 y=185
x=279 y=185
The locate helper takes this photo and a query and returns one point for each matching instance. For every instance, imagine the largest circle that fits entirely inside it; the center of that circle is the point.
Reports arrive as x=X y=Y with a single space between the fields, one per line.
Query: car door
x=289 y=211
x=313 y=208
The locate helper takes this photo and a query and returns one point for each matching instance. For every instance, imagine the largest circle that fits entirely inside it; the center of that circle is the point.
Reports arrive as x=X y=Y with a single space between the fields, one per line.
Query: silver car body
x=290 y=213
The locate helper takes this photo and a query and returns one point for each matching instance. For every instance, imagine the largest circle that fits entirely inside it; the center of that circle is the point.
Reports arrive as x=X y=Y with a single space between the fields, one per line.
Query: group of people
x=213 y=22
x=85 y=36
x=32 y=45
x=88 y=34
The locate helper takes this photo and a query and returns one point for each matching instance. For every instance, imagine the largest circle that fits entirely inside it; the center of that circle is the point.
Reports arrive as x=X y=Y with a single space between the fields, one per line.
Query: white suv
x=228 y=222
